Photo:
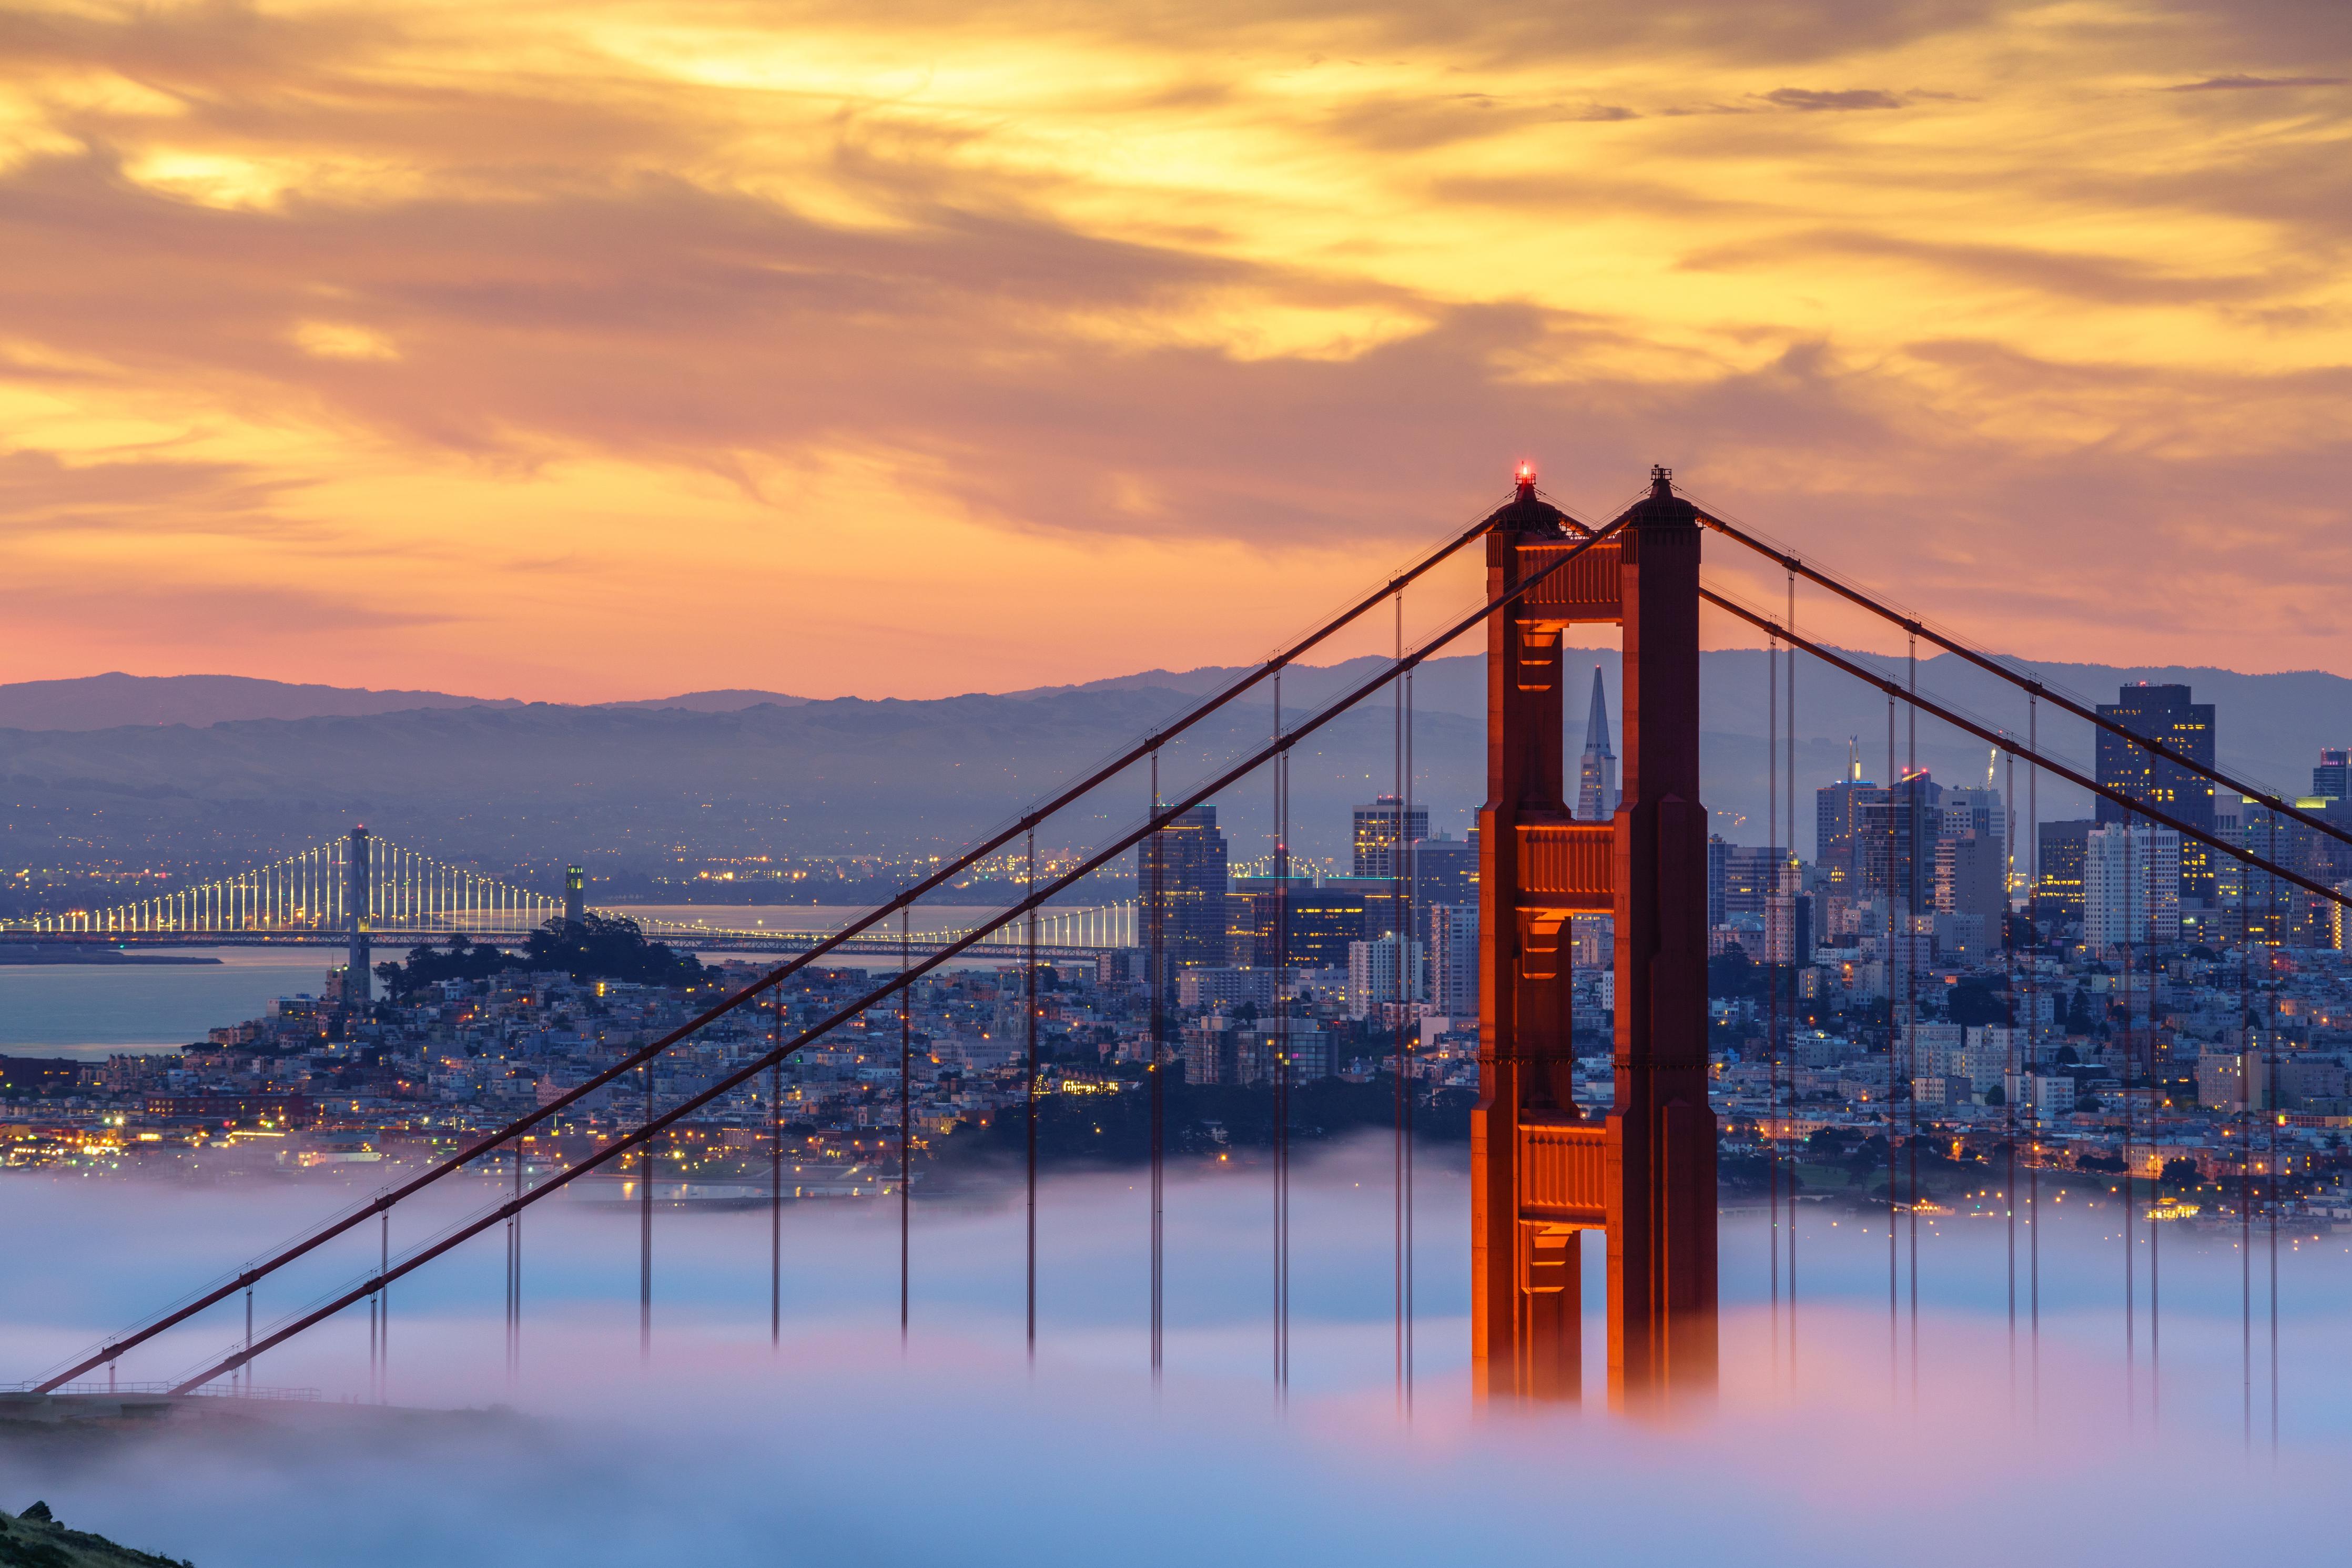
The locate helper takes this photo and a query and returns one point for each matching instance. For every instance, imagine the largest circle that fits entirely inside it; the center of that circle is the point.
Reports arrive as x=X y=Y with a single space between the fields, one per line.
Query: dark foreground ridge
x=35 y=1540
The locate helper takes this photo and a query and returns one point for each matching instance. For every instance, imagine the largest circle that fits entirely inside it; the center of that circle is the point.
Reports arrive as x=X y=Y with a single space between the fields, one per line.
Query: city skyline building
x=1180 y=879
x=1382 y=970
x=1376 y=834
x=2162 y=713
x=1596 y=771
x=2131 y=886
x=2332 y=777
x=2058 y=889
x=1837 y=810
x=1451 y=945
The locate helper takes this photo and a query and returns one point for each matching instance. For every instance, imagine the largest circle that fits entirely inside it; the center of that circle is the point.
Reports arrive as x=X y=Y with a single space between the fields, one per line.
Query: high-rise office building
x=1749 y=878
x=2131 y=886
x=1445 y=871
x=1978 y=810
x=1837 y=812
x=1180 y=889
x=1453 y=949
x=1596 y=771
x=1894 y=837
x=1788 y=929
x=1971 y=878
x=2332 y=777
x=1319 y=922
x=2058 y=894
x=1719 y=865
x=1377 y=836
x=2165 y=714
x=1387 y=969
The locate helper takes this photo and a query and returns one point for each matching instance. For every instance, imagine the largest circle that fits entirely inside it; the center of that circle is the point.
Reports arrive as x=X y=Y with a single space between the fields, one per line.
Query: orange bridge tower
x=1543 y=1169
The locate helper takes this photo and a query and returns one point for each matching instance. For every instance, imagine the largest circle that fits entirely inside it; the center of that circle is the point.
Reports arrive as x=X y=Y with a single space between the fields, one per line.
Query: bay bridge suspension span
x=362 y=888
x=1640 y=1171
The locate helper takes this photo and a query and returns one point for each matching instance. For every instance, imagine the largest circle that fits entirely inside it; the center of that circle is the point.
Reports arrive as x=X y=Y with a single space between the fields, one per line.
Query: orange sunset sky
x=612 y=350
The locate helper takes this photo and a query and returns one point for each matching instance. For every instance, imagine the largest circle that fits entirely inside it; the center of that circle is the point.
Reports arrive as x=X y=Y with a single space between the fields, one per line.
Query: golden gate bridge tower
x=1543 y=1169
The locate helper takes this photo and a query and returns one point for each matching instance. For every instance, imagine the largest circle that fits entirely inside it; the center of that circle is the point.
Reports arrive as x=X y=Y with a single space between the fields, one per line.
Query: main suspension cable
x=1084 y=866
x=953 y=867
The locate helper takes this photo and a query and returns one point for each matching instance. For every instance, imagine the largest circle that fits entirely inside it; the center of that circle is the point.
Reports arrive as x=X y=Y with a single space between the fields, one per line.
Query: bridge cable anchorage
x=2010 y=744
x=1070 y=792
x=2033 y=686
x=1083 y=866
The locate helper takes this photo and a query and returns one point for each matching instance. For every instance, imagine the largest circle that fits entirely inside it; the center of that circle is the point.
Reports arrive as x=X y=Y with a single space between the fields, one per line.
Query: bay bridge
x=362 y=888
x=1640 y=1171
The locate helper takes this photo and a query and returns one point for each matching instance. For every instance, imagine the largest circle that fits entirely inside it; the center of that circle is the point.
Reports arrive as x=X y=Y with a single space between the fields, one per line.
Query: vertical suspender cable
x=520 y=1174
x=1772 y=971
x=1412 y=871
x=1796 y=1163
x=645 y=1231
x=2033 y=1008
x=1029 y=1098
x=1894 y=1069
x=2155 y=1151
x=2009 y=1080
x=2270 y=1108
x=1280 y=1064
x=1911 y=999
x=1155 y=979
x=1403 y=926
x=1155 y=974
x=906 y=1125
x=2245 y=1141
x=2131 y=1348
x=776 y=1181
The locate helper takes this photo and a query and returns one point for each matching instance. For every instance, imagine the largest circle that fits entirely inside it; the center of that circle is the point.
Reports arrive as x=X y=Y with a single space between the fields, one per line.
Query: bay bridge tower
x=359 y=980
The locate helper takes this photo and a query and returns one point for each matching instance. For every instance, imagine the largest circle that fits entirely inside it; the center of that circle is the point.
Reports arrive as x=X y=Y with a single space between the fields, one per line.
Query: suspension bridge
x=363 y=889
x=1640 y=1171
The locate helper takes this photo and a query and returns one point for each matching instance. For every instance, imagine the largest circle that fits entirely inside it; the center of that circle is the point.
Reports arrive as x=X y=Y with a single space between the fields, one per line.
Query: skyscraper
x=1596 y=773
x=2163 y=714
x=1837 y=809
x=1377 y=837
x=1453 y=949
x=2131 y=886
x=1445 y=871
x=1179 y=882
x=2058 y=895
x=2334 y=774
x=1895 y=836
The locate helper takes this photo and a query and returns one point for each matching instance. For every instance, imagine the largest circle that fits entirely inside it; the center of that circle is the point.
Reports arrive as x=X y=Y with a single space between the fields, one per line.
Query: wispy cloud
x=2235 y=83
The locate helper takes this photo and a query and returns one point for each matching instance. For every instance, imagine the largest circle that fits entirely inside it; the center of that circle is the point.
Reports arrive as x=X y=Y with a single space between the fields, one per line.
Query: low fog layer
x=845 y=1447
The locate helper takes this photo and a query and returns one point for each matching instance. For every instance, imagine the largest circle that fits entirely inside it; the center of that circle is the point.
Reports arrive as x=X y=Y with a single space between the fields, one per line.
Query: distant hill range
x=132 y=764
x=114 y=700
